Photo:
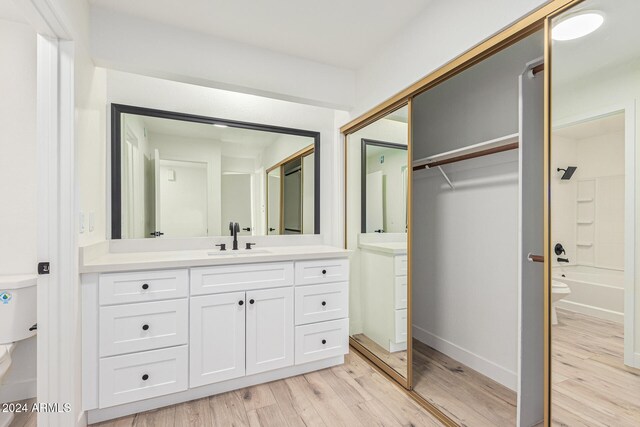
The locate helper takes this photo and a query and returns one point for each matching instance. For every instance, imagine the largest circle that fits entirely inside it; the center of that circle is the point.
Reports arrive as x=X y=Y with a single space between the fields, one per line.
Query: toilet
x=559 y=290
x=18 y=317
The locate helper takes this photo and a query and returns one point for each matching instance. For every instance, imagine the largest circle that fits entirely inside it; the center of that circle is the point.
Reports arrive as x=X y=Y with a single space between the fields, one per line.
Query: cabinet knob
x=324 y=271
x=324 y=341
x=240 y=302
x=145 y=377
x=145 y=286
x=145 y=327
x=251 y=301
x=324 y=303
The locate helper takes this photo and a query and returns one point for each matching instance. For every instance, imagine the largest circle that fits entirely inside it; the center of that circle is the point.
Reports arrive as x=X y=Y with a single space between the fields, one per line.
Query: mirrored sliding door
x=593 y=176
x=376 y=232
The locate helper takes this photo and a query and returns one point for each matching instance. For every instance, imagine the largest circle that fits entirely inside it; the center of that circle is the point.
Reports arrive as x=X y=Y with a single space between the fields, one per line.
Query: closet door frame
x=539 y=19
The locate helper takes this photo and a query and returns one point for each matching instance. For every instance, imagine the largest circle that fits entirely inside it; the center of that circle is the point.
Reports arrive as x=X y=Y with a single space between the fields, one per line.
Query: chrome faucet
x=234 y=228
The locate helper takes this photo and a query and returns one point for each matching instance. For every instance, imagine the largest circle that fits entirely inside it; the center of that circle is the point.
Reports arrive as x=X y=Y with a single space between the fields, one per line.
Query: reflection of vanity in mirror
x=377 y=233
x=176 y=176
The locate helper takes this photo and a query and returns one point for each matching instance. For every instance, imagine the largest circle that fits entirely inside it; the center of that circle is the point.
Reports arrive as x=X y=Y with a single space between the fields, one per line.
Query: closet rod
x=512 y=146
x=538 y=69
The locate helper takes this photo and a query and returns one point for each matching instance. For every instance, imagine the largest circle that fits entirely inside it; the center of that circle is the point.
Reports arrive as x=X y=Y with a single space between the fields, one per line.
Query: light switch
x=91 y=221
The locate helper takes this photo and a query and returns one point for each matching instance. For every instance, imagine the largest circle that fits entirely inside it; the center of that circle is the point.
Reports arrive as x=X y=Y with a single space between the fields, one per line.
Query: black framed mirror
x=178 y=175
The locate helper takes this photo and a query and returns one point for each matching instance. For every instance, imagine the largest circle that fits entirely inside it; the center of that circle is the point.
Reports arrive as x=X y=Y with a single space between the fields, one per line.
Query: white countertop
x=392 y=248
x=128 y=261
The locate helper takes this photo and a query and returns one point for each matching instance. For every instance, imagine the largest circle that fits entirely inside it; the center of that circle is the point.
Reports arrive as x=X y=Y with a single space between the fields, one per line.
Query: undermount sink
x=239 y=252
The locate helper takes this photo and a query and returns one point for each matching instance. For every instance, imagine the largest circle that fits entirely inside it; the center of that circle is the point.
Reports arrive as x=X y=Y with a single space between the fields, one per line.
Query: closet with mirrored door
x=464 y=224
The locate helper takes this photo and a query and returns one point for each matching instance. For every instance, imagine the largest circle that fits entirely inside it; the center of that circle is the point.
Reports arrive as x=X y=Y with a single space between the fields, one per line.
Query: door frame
x=631 y=358
x=57 y=291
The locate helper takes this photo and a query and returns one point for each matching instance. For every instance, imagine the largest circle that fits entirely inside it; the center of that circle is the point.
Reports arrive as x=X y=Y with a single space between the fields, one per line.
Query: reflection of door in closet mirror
x=384 y=200
x=177 y=175
x=595 y=321
x=477 y=194
x=377 y=159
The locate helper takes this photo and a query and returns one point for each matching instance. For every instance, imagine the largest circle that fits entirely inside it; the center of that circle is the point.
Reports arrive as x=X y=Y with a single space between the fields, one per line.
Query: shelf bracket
x=446 y=178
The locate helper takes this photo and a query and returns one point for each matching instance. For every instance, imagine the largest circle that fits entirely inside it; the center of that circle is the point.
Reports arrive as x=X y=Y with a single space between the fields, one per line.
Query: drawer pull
x=324 y=271
x=145 y=327
x=324 y=303
x=324 y=341
x=251 y=301
x=145 y=377
x=240 y=302
x=145 y=286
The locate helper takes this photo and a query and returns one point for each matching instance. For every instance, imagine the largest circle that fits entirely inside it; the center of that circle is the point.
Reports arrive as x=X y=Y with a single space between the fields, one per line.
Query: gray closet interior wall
x=468 y=255
x=477 y=105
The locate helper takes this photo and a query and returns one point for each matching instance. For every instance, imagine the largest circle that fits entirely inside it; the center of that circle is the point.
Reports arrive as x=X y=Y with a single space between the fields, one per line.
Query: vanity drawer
x=243 y=277
x=140 y=286
x=401 y=292
x=322 y=271
x=400 y=262
x=321 y=340
x=144 y=375
x=145 y=326
x=401 y=325
x=318 y=303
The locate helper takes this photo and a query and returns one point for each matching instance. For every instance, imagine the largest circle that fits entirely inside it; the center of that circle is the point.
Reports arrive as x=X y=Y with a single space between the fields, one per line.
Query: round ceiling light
x=577 y=25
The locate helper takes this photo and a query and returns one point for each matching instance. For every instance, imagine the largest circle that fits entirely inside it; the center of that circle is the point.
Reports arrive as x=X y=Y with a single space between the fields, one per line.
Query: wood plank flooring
x=591 y=384
x=464 y=395
x=25 y=419
x=353 y=394
x=397 y=361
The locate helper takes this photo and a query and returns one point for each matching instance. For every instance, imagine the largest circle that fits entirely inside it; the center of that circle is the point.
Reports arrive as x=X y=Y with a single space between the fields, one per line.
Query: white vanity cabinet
x=384 y=283
x=159 y=337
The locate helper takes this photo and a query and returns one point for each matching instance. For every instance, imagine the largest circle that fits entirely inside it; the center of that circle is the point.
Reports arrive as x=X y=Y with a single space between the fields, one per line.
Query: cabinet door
x=217 y=338
x=269 y=329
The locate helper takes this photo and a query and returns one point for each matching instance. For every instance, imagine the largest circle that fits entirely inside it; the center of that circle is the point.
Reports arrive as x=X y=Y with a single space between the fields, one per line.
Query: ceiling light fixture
x=577 y=25
x=218 y=125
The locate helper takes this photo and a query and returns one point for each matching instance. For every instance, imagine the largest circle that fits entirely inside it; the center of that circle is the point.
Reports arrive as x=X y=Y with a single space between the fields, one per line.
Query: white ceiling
x=613 y=45
x=344 y=33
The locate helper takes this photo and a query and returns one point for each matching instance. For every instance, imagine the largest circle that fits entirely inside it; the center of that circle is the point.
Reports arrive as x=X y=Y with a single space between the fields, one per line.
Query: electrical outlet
x=92 y=217
x=81 y=222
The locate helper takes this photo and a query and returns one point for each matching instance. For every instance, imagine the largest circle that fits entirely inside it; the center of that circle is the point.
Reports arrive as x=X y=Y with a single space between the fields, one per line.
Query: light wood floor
x=397 y=361
x=25 y=419
x=353 y=394
x=591 y=384
x=464 y=395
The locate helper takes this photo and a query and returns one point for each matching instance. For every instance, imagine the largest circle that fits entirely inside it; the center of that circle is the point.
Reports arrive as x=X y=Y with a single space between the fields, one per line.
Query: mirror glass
x=178 y=177
x=595 y=330
x=377 y=234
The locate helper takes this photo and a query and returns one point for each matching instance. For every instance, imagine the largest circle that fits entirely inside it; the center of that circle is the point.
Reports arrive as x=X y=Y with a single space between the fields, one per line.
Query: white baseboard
x=99 y=415
x=478 y=363
x=397 y=346
x=12 y=392
x=589 y=310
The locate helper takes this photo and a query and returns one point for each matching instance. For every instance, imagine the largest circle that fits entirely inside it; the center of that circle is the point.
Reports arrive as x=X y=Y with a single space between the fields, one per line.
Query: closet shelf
x=505 y=143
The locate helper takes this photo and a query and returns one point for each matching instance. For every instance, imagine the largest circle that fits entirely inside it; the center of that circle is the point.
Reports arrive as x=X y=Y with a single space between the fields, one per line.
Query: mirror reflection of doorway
x=236 y=201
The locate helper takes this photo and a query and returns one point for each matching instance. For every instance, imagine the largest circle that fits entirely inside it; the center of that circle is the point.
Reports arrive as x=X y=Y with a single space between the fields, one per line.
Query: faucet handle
x=223 y=246
x=248 y=245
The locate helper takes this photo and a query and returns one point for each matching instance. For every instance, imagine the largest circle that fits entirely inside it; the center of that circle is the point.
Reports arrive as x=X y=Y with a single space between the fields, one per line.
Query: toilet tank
x=18 y=311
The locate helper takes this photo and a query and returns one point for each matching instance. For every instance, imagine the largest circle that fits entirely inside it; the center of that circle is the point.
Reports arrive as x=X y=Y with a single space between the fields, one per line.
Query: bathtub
x=595 y=291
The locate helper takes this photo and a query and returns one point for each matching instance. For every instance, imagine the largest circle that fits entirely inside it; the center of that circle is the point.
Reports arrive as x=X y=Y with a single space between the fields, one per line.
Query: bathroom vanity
x=161 y=328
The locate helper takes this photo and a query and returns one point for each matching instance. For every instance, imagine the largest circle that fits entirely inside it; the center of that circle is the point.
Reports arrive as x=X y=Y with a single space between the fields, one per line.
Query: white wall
x=564 y=194
x=132 y=89
x=465 y=302
x=394 y=214
x=18 y=174
x=431 y=40
x=131 y=44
